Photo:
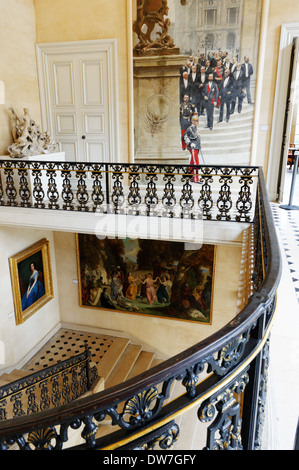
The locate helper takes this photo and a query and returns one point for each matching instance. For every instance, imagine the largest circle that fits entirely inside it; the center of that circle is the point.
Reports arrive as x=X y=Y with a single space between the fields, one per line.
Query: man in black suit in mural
x=194 y=87
x=238 y=88
x=209 y=68
x=211 y=95
x=187 y=110
x=184 y=86
x=248 y=71
x=186 y=68
x=225 y=93
x=202 y=80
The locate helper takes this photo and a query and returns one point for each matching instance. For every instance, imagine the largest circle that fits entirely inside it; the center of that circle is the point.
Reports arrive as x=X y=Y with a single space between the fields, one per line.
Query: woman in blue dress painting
x=35 y=289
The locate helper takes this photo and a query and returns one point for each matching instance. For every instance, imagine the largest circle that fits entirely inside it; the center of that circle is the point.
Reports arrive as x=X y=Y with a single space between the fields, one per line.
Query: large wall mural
x=195 y=57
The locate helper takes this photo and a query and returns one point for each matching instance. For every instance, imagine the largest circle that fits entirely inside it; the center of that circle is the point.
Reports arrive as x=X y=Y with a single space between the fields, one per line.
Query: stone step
x=229 y=148
x=241 y=158
x=235 y=121
x=143 y=363
x=108 y=361
x=222 y=131
x=123 y=366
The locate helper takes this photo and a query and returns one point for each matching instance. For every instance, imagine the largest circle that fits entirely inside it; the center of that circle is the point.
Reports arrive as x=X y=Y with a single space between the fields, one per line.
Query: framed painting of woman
x=31 y=279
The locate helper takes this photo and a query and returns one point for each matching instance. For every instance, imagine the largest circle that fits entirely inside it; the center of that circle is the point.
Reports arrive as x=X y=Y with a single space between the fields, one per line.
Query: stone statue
x=28 y=139
x=151 y=13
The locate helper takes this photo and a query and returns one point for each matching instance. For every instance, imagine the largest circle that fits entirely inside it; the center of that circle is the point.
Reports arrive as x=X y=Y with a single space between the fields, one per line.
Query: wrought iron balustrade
x=221 y=193
x=224 y=376
x=47 y=388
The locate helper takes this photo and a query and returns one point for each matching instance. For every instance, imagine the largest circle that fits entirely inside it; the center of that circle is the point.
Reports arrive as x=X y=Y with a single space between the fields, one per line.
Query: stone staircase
x=229 y=143
x=117 y=359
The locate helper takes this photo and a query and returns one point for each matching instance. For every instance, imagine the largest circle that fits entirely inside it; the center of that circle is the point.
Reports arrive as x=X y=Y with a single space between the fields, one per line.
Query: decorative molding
x=226 y=233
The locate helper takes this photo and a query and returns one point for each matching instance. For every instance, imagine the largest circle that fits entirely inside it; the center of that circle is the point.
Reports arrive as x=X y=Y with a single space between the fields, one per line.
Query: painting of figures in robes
x=148 y=277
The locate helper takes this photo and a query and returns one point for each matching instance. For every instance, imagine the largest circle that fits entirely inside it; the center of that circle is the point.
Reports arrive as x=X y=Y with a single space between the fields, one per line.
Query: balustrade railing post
x=107 y=185
x=250 y=406
x=87 y=361
x=252 y=409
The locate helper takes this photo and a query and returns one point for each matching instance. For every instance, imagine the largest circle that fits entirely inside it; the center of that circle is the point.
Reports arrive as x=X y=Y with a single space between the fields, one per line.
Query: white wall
x=18 y=65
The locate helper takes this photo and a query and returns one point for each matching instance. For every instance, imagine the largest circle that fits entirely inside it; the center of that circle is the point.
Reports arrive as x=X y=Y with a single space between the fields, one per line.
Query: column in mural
x=156 y=75
x=195 y=56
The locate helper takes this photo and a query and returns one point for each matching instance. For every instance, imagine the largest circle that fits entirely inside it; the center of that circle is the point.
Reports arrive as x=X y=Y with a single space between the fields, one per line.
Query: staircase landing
x=116 y=358
x=67 y=343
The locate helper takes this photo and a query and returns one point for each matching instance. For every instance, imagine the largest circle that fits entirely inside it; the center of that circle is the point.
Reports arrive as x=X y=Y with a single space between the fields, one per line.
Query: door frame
x=97 y=45
x=289 y=31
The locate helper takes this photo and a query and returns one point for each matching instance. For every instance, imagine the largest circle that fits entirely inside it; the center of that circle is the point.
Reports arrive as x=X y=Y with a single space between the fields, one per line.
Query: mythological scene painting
x=148 y=277
x=195 y=58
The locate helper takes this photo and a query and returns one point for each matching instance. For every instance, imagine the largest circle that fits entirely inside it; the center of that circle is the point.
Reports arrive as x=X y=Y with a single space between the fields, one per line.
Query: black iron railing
x=224 y=376
x=48 y=388
x=219 y=193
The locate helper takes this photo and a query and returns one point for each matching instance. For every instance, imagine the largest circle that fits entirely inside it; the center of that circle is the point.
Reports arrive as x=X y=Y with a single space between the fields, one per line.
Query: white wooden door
x=78 y=83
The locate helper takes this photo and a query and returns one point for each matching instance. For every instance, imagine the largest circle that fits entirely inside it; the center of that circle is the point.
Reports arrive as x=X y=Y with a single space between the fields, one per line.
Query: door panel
x=94 y=123
x=96 y=151
x=66 y=123
x=63 y=80
x=70 y=149
x=94 y=107
x=93 y=83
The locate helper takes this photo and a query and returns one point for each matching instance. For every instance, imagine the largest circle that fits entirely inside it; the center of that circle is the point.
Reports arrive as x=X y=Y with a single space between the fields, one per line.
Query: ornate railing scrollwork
x=117 y=195
x=38 y=191
x=205 y=201
x=165 y=437
x=11 y=190
x=151 y=197
x=244 y=202
x=134 y=196
x=82 y=193
x=24 y=190
x=224 y=202
x=140 y=409
x=225 y=431
x=187 y=198
x=168 y=198
x=52 y=193
x=67 y=193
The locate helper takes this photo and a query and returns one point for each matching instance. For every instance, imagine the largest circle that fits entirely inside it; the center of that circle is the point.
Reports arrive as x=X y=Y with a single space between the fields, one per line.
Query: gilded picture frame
x=146 y=277
x=31 y=279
